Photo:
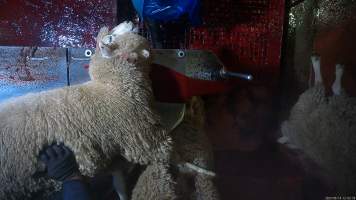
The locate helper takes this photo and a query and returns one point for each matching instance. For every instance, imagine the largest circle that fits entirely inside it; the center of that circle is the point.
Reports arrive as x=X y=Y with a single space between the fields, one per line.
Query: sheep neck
x=134 y=83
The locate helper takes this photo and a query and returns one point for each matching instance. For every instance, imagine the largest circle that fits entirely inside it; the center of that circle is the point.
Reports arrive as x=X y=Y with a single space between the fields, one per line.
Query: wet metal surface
x=59 y=24
x=79 y=65
x=32 y=69
x=29 y=69
x=65 y=23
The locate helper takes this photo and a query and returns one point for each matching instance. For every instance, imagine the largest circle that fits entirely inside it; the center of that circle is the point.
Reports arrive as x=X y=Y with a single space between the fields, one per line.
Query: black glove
x=60 y=162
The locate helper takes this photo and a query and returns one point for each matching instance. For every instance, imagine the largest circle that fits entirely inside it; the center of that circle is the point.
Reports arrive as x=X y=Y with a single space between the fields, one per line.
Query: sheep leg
x=155 y=183
x=119 y=184
x=119 y=170
x=337 y=86
x=316 y=67
x=205 y=188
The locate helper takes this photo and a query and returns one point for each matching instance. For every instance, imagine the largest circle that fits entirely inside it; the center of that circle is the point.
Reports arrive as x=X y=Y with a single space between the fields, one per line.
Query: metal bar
x=227 y=74
x=68 y=63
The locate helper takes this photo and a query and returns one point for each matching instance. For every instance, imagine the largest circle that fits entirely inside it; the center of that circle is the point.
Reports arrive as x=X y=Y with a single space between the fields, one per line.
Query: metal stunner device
x=195 y=64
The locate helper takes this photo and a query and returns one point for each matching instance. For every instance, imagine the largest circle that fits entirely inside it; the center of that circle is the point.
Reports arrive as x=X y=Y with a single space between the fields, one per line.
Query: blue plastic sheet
x=168 y=10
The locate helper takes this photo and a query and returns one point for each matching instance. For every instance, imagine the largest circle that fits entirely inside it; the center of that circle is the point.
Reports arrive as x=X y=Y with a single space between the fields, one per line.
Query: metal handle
x=226 y=74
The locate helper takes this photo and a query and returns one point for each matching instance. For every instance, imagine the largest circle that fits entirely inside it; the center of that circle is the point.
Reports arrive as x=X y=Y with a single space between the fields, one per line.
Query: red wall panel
x=245 y=34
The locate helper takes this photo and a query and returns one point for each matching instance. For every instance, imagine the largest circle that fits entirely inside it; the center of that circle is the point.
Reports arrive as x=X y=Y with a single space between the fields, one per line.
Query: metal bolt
x=181 y=54
x=88 y=53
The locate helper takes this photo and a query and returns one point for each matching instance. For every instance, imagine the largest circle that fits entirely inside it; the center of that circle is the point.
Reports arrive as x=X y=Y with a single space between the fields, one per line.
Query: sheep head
x=118 y=51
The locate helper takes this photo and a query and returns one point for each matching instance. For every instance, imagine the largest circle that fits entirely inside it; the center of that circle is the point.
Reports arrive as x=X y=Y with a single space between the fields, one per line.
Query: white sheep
x=326 y=133
x=190 y=174
x=306 y=104
x=336 y=148
x=105 y=117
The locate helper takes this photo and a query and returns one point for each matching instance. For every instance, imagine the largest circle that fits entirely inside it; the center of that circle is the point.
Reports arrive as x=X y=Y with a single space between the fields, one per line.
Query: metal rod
x=225 y=74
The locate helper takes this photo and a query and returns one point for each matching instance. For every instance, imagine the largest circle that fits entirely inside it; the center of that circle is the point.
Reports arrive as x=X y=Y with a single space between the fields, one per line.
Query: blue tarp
x=168 y=10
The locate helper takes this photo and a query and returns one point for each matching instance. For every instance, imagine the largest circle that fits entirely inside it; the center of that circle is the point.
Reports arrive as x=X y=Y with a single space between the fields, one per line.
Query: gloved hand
x=60 y=161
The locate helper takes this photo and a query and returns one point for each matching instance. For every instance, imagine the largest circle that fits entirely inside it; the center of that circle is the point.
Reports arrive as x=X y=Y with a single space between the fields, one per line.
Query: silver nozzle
x=227 y=74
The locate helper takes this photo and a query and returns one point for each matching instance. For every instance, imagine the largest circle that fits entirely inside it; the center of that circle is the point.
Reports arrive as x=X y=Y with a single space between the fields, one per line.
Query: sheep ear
x=123 y=28
x=145 y=53
x=103 y=32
